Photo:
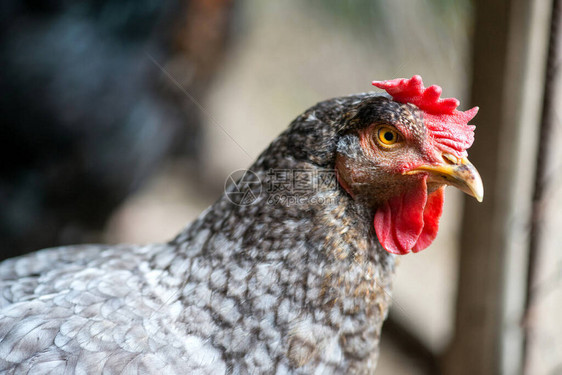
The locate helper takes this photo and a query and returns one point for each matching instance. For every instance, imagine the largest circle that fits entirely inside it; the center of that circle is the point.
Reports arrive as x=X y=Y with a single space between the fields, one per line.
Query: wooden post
x=510 y=40
x=542 y=319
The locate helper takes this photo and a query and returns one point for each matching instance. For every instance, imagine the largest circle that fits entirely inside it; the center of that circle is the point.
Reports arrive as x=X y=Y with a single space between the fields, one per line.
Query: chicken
x=295 y=280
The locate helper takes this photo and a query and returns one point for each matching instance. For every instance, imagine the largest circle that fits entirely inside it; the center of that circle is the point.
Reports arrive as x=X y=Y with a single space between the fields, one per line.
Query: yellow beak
x=458 y=173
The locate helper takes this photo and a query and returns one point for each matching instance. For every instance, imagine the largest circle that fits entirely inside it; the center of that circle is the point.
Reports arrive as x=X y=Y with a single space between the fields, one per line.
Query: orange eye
x=387 y=136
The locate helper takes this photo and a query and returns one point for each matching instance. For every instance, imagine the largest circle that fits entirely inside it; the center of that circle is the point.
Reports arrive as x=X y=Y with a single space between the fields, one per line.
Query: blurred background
x=121 y=121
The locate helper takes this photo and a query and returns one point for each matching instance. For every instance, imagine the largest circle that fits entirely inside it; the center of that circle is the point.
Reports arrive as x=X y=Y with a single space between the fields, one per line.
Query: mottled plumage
x=271 y=287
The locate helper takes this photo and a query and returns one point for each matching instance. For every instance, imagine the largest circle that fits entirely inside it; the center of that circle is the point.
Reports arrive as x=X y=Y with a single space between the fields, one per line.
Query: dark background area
x=86 y=119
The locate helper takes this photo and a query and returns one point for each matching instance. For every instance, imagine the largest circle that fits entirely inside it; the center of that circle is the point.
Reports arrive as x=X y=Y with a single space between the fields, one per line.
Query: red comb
x=448 y=126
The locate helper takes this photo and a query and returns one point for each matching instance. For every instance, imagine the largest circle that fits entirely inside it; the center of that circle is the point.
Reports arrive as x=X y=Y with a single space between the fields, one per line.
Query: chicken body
x=270 y=287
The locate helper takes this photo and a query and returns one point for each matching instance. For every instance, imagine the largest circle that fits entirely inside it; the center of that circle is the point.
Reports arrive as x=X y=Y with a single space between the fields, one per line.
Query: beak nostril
x=451 y=159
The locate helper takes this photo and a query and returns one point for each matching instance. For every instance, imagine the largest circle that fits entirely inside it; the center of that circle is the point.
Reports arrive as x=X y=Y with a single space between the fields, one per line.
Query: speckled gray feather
x=264 y=288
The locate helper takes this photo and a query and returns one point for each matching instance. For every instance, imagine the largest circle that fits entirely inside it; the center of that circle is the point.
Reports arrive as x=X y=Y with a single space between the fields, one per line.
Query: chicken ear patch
x=409 y=222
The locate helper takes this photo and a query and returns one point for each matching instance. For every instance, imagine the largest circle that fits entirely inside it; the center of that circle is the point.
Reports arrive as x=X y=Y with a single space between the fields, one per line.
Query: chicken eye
x=387 y=136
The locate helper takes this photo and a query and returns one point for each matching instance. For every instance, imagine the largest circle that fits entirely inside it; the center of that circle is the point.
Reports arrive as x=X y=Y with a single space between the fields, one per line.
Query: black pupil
x=389 y=136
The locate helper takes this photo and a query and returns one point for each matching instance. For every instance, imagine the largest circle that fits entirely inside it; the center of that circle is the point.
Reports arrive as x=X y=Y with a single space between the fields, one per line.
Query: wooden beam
x=544 y=245
x=510 y=39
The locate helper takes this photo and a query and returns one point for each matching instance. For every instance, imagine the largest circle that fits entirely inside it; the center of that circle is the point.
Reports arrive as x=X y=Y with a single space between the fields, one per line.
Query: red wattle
x=409 y=222
x=399 y=222
x=431 y=215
